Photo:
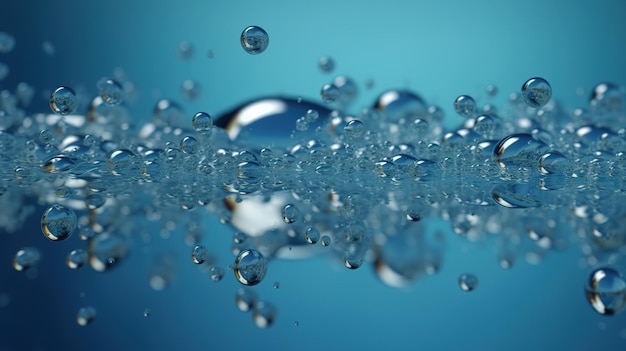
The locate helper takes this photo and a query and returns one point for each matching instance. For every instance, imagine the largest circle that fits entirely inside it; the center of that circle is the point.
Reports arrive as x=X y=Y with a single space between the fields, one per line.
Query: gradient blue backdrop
x=439 y=49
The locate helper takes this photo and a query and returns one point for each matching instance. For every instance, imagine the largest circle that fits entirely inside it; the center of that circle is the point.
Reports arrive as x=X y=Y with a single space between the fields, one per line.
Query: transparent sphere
x=290 y=213
x=191 y=89
x=250 y=267
x=264 y=314
x=536 y=92
x=326 y=64
x=63 y=101
x=111 y=91
x=85 y=315
x=58 y=222
x=216 y=273
x=354 y=129
x=468 y=282
x=326 y=241
x=330 y=93
x=189 y=145
x=76 y=258
x=26 y=258
x=254 y=40
x=312 y=235
x=120 y=161
x=465 y=106
x=606 y=291
x=199 y=254
x=202 y=123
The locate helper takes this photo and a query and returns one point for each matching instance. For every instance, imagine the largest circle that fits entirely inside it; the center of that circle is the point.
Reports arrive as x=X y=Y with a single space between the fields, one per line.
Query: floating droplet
x=468 y=282
x=85 y=315
x=120 y=161
x=250 y=267
x=276 y=285
x=58 y=222
x=189 y=145
x=216 y=273
x=76 y=258
x=7 y=42
x=518 y=149
x=325 y=240
x=191 y=89
x=63 y=101
x=199 y=254
x=147 y=312
x=106 y=250
x=354 y=129
x=606 y=291
x=26 y=258
x=330 y=93
x=254 y=40
x=536 y=92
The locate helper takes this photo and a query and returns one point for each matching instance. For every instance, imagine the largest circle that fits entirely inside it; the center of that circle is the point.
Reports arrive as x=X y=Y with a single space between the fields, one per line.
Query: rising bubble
x=468 y=282
x=26 y=258
x=290 y=213
x=536 y=92
x=264 y=314
x=245 y=299
x=58 y=222
x=85 y=315
x=250 y=267
x=606 y=291
x=76 y=258
x=254 y=40
x=199 y=254
x=63 y=101
x=111 y=91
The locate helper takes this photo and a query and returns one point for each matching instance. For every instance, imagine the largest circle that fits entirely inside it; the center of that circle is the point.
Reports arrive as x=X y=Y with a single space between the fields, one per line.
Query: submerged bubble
x=264 y=314
x=245 y=299
x=518 y=148
x=354 y=129
x=120 y=161
x=468 y=282
x=326 y=64
x=147 y=312
x=250 y=267
x=276 y=285
x=202 y=123
x=216 y=273
x=254 y=40
x=63 y=101
x=58 y=222
x=106 y=250
x=465 y=106
x=536 y=92
x=189 y=145
x=26 y=258
x=85 y=315
x=111 y=91
x=312 y=235
x=191 y=89
x=606 y=291
x=199 y=254
x=401 y=104
x=330 y=93
x=326 y=241
x=76 y=258
x=7 y=42
x=290 y=213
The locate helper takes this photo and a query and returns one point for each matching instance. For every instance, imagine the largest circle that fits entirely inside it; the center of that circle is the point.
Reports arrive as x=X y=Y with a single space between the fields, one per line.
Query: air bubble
x=58 y=222
x=250 y=267
x=191 y=89
x=290 y=213
x=326 y=241
x=468 y=282
x=216 y=273
x=264 y=314
x=465 y=106
x=245 y=299
x=63 y=101
x=199 y=254
x=76 y=258
x=26 y=258
x=606 y=291
x=354 y=129
x=111 y=92
x=536 y=92
x=189 y=145
x=254 y=40
x=326 y=64
x=312 y=235
x=330 y=93
x=7 y=42
x=202 y=123
x=85 y=315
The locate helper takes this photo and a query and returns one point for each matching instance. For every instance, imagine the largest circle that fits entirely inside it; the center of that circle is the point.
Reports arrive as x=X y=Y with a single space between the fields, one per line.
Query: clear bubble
x=45 y=136
x=326 y=64
x=120 y=161
x=147 y=312
x=250 y=267
x=239 y=238
x=326 y=241
x=63 y=101
x=191 y=89
x=607 y=97
x=7 y=42
x=465 y=106
x=330 y=93
x=202 y=123
x=264 y=314
x=354 y=129
x=276 y=285
x=606 y=291
x=199 y=254
x=189 y=145
x=491 y=90
x=312 y=235
x=86 y=233
x=26 y=258
x=468 y=282
x=76 y=258
x=311 y=115
x=254 y=40
x=302 y=124
x=111 y=92
x=106 y=250
x=216 y=273
x=536 y=92
x=57 y=164
x=397 y=105
x=245 y=299
x=553 y=162
x=296 y=323
x=484 y=124
x=95 y=201
x=85 y=315
x=58 y=222
x=290 y=213
x=517 y=149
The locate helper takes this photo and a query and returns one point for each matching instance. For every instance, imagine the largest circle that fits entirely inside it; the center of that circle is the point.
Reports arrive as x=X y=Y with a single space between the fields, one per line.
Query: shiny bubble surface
x=465 y=106
x=58 y=222
x=202 y=123
x=199 y=254
x=63 y=101
x=111 y=91
x=245 y=299
x=468 y=282
x=536 y=92
x=264 y=314
x=606 y=291
x=85 y=315
x=76 y=258
x=254 y=40
x=250 y=267
x=290 y=213
x=26 y=258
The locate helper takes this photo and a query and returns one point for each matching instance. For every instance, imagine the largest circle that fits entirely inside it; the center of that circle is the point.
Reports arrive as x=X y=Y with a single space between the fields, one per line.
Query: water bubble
x=199 y=254
x=312 y=235
x=401 y=104
x=95 y=201
x=239 y=238
x=465 y=106
x=189 y=145
x=86 y=233
x=216 y=273
x=302 y=124
x=290 y=213
x=330 y=93
x=518 y=149
x=553 y=162
x=468 y=282
x=168 y=113
x=191 y=89
x=254 y=40
x=76 y=258
x=45 y=136
x=147 y=312
x=26 y=258
x=264 y=314
x=202 y=123
x=7 y=42
x=606 y=291
x=326 y=241
x=296 y=323
x=326 y=64
x=111 y=92
x=607 y=97
x=185 y=49
x=311 y=115
x=245 y=299
x=484 y=124
x=57 y=164
x=250 y=267
x=120 y=161
x=491 y=90
x=58 y=222
x=276 y=285
x=63 y=101
x=354 y=129
x=85 y=315
x=106 y=250
x=536 y=92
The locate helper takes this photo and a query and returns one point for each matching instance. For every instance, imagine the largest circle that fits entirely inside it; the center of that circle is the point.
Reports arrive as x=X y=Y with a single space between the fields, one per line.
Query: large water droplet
x=250 y=267
x=606 y=291
x=58 y=222
x=254 y=40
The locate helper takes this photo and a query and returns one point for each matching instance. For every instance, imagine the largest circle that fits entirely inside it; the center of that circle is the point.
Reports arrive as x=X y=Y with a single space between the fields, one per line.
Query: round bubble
x=326 y=64
x=7 y=42
x=245 y=299
x=85 y=315
x=606 y=291
x=330 y=93
x=216 y=273
x=120 y=161
x=63 y=101
x=250 y=267
x=468 y=282
x=290 y=213
x=465 y=106
x=76 y=258
x=26 y=258
x=354 y=129
x=106 y=250
x=191 y=89
x=326 y=241
x=312 y=235
x=111 y=91
x=536 y=92
x=401 y=104
x=189 y=145
x=199 y=254
x=58 y=222
x=254 y=40
x=202 y=123
x=264 y=314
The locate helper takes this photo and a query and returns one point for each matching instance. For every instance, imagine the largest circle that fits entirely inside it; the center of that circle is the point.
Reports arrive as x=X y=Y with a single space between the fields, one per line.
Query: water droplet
x=26 y=258
x=326 y=64
x=147 y=312
x=465 y=106
x=76 y=258
x=468 y=282
x=312 y=235
x=250 y=267
x=264 y=314
x=199 y=254
x=536 y=92
x=48 y=48
x=245 y=299
x=63 y=101
x=45 y=136
x=85 y=315
x=290 y=213
x=169 y=113
x=254 y=40
x=276 y=285
x=58 y=222
x=57 y=164
x=354 y=129
x=202 y=123
x=111 y=92
x=606 y=291
x=553 y=162
x=326 y=241
x=311 y=115
x=607 y=97
x=216 y=273
x=517 y=149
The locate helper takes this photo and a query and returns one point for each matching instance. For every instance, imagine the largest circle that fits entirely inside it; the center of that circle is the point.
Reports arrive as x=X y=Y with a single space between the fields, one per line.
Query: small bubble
x=465 y=106
x=329 y=93
x=189 y=145
x=245 y=299
x=76 y=258
x=312 y=235
x=239 y=238
x=111 y=92
x=276 y=285
x=86 y=233
x=302 y=124
x=45 y=136
x=85 y=315
x=290 y=213
x=254 y=40
x=326 y=64
x=264 y=314
x=202 y=123
x=58 y=222
x=147 y=312
x=536 y=92
x=63 y=101
x=191 y=89
x=216 y=273
x=119 y=161
x=199 y=254
x=250 y=267
x=185 y=49
x=311 y=115
x=468 y=282
x=26 y=258
x=491 y=90
x=354 y=129
x=325 y=240
x=296 y=323
x=95 y=201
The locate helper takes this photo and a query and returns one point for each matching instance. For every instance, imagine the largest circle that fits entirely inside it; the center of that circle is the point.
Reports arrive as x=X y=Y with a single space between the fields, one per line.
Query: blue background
x=439 y=49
